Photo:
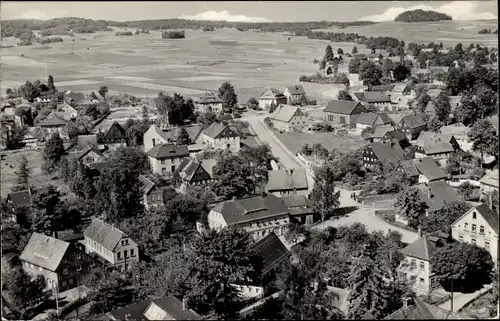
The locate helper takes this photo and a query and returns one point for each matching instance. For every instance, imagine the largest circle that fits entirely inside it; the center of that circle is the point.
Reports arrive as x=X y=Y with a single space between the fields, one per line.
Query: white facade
x=208 y=107
x=165 y=166
x=124 y=256
x=222 y=143
x=151 y=138
x=421 y=271
x=249 y=291
x=296 y=123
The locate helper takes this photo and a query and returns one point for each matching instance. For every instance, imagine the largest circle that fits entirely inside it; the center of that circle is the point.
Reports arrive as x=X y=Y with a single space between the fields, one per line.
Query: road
x=461 y=299
x=364 y=214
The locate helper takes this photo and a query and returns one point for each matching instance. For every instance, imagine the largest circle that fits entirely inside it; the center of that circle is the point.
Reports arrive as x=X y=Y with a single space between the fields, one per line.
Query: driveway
x=461 y=299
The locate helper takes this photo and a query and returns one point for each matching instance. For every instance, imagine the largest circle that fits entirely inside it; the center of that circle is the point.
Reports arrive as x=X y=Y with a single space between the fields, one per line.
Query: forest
x=420 y=15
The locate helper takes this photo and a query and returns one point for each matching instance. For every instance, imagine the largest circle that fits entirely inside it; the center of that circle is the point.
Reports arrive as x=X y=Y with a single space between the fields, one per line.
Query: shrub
x=175 y=34
x=124 y=33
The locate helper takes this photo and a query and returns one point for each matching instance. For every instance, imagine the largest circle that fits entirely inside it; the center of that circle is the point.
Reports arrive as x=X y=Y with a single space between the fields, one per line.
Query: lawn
x=295 y=141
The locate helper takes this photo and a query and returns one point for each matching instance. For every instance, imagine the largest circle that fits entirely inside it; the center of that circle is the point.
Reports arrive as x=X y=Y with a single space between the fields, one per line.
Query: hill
x=420 y=15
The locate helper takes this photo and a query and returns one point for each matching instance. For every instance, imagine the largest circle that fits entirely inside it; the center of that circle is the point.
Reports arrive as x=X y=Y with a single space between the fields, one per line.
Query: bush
x=208 y=28
x=312 y=102
x=303 y=78
x=124 y=33
x=176 y=34
x=50 y=40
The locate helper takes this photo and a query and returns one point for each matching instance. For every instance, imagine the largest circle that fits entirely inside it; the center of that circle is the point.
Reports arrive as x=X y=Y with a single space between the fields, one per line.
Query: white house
x=166 y=158
x=295 y=94
x=220 y=137
x=164 y=134
x=479 y=226
x=67 y=109
x=288 y=118
x=270 y=97
x=208 y=103
x=489 y=182
x=283 y=182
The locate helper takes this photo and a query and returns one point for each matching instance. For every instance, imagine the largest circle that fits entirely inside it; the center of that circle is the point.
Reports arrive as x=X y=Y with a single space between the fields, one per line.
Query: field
x=295 y=141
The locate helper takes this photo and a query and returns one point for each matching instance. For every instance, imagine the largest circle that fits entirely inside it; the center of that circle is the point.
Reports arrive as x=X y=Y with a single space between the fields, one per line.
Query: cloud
x=39 y=15
x=458 y=10
x=223 y=16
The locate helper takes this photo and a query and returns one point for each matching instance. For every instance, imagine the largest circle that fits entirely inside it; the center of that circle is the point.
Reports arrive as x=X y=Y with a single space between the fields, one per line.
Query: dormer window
x=474 y=215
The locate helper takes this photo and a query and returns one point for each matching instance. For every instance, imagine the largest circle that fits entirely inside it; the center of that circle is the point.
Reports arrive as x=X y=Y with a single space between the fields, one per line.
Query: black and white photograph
x=249 y=160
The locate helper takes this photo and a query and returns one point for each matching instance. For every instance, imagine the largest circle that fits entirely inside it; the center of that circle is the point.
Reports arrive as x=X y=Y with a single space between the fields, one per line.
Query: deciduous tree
x=22 y=289
x=228 y=96
x=401 y=72
x=328 y=53
x=23 y=174
x=103 y=90
x=483 y=136
x=442 y=107
x=344 y=95
x=232 y=178
x=324 y=196
x=370 y=73
x=354 y=50
x=52 y=153
x=410 y=205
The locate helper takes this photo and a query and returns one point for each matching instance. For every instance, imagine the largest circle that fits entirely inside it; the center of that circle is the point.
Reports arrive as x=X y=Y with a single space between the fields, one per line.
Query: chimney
x=184 y=304
x=406 y=302
x=420 y=234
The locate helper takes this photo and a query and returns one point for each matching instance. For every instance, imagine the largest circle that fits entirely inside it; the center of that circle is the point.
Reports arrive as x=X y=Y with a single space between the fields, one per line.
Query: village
x=188 y=207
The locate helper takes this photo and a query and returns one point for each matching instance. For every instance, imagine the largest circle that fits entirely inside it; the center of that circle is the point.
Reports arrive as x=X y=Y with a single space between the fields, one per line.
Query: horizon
x=270 y=12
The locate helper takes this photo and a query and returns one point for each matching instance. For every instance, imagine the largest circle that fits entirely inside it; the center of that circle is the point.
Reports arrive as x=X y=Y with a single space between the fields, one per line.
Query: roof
x=296 y=90
x=208 y=98
x=272 y=93
x=427 y=166
x=296 y=201
x=44 y=251
x=78 y=97
x=490 y=178
x=147 y=184
x=87 y=150
x=424 y=247
x=64 y=115
x=249 y=141
x=22 y=198
x=342 y=107
x=380 y=131
x=104 y=234
x=216 y=130
x=457 y=130
x=440 y=193
x=396 y=134
x=388 y=87
x=250 y=209
x=366 y=118
x=171 y=134
x=359 y=95
x=409 y=167
x=489 y=215
x=433 y=93
x=114 y=133
x=193 y=171
x=99 y=166
x=53 y=119
x=272 y=251
x=387 y=151
x=400 y=88
x=168 y=151
x=423 y=311
x=434 y=143
x=167 y=308
x=282 y=179
x=285 y=113
x=414 y=121
x=134 y=311
x=86 y=140
x=376 y=97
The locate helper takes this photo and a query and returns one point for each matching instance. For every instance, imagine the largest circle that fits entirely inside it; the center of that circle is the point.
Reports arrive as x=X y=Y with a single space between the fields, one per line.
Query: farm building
x=412 y=126
x=220 y=137
x=288 y=118
x=295 y=95
x=208 y=103
x=372 y=120
x=342 y=112
x=284 y=182
x=270 y=97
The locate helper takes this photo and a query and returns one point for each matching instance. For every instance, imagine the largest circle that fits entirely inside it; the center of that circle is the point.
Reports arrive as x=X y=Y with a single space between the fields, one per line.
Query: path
x=461 y=299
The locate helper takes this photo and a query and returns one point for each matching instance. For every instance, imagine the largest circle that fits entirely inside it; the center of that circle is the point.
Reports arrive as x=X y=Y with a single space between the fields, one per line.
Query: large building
x=412 y=126
x=422 y=170
x=164 y=134
x=270 y=97
x=379 y=154
x=435 y=145
x=283 y=182
x=114 y=248
x=295 y=95
x=166 y=158
x=195 y=173
x=208 y=103
x=258 y=215
x=343 y=112
x=288 y=118
x=220 y=137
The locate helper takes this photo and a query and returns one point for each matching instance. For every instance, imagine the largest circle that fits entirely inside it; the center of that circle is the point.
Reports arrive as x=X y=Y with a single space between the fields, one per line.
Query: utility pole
x=451 y=295
x=57 y=296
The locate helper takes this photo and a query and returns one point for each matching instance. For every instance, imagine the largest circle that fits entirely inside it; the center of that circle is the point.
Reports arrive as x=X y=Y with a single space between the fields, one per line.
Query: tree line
x=420 y=15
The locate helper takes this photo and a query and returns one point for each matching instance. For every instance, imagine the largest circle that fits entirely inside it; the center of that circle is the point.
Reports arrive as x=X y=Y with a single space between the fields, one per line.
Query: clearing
x=295 y=141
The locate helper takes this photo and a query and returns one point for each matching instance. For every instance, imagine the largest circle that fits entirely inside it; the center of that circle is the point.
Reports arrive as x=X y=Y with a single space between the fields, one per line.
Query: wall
x=212 y=107
x=249 y=291
x=425 y=282
x=148 y=137
x=216 y=220
x=92 y=246
x=130 y=260
x=221 y=143
x=164 y=166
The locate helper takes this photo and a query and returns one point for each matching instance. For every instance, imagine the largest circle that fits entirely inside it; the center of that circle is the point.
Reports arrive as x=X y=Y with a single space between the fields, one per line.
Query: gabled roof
x=489 y=215
x=427 y=166
x=490 y=178
x=86 y=140
x=147 y=184
x=217 y=130
x=296 y=90
x=359 y=95
x=104 y=234
x=433 y=93
x=167 y=151
x=395 y=134
x=208 y=98
x=387 y=151
x=388 y=87
x=440 y=193
x=87 y=150
x=44 y=251
x=400 y=88
x=281 y=179
x=132 y=311
x=272 y=251
x=22 y=198
x=380 y=131
x=114 y=133
x=376 y=97
x=409 y=167
x=171 y=134
x=285 y=113
x=414 y=121
x=342 y=107
x=457 y=130
x=53 y=120
x=366 y=118
x=292 y=201
x=169 y=307
x=423 y=311
x=434 y=143
x=272 y=93
x=424 y=247
x=193 y=171
x=250 y=209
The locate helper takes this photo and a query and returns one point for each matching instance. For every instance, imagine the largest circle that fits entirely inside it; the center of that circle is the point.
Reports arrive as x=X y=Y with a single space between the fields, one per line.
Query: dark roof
x=53 y=120
x=490 y=216
x=395 y=134
x=133 y=311
x=284 y=180
x=158 y=310
x=342 y=107
x=22 y=198
x=296 y=201
x=409 y=167
x=388 y=87
x=87 y=150
x=285 y=113
x=272 y=93
x=99 y=166
x=147 y=184
x=168 y=151
x=217 y=130
x=44 y=251
x=252 y=208
x=104 y=234
x=249 y=141
x=424 y=247
x=296 y=90
x=208 y=98
x=86 y=140
x=272 y=251
x=385 y=118
x=171 y=134
x=419 y=310
x=366 y=118
x=427 y=166
x=360 y=96
x=380 y=131
x=435 y=143
x=387 y=151
x=414 y=121
x=376 y=97
x=114 y=133
x=193 y=171
x=440 y=193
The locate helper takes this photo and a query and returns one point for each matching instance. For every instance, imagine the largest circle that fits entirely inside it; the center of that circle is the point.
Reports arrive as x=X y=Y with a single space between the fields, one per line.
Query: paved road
x=461 y=299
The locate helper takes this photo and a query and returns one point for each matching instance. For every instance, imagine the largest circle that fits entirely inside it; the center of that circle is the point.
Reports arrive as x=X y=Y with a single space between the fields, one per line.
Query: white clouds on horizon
x=458 y=10
x=39 y=15
x=223 y=16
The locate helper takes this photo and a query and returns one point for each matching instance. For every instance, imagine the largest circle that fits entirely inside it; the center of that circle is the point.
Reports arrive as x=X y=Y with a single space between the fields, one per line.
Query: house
x=342 y=112
x=114 y=138
x=75 y=99
x=195 y=173
x=371 y=120
x=21 y=198
x=90 y=155
x=167 y=308
x=295 y=95
x=288 y=118
x=43 y=100
x=383 y=88
x=378 y=154
x=164 y=134
x=489 y=182
x=152 y=189
x=208 y=103
x=220 y=137
x=422 y=170
x=273 y=253
x=417 y=262
x=434 y=93
x=423 y=74
x=412 y=126
x=435 y=145
x=396 y=136
x=459 y=131
x=61 y=263
x=53 y=124
x=258 y=215
x=380 y=131
x=484 y=229
x=301 y=208
x=283 y=182
x=67 y=109
x=270 y=97
x=377 y=99
x=165 y=158
x=430 y=109
x=112 y=246
x=401 y=93
x=417 y=309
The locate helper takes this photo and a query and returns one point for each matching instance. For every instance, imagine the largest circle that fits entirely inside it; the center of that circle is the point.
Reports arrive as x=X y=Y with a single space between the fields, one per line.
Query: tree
x=296 y=231
x=370 y=73
x=93 y=96
x=103 y=90
x=228 y=96
x=442 y=219
x=82 y=183
x=272 y=107
x=177 y=108
x=328 y=53
x=342 y=78
x=183 y=137
x=258 y=159
x=354 y=65
x=23 y=174
x=207 y=119
x=442 y=107
x=466 y=264
x=306 y=150
x=22 y=289
x=344 y=95
x=410 y=206
x=16 y=137
x=387 y=67
x=468 y=111
x=253 y=103
x=401 y=72
x=324 y=196
x=52 y=153
x=422 y=102
x=434 y=124
x=50 y=84
x=232 y=178
x=220 y=259
x=322 y=64
x=354 y=50
x=29 y=91
x=367 y=132
x=340 y=51
x=484 y=137
x=486 y=100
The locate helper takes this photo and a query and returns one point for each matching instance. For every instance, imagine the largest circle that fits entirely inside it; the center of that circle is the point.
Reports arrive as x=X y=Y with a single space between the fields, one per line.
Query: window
x=487 y=245
x=79 y=268
x=163 y=161
x=421 y=280
x=173 y=168
x=474 y=215
x=413 y=263
x=164 y=171
x=132 y=252
x=228 y=145
x=473 y=228
x=125 y=253
x=473 y=241
x=422 y=265
x=65 y=271
x=481 y=229
x=119 y=255
x=461 y=238
x=466 y=226
x=154 y=143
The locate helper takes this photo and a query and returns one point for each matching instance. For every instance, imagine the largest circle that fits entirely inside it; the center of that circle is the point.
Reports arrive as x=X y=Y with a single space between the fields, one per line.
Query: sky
x=247 y=11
